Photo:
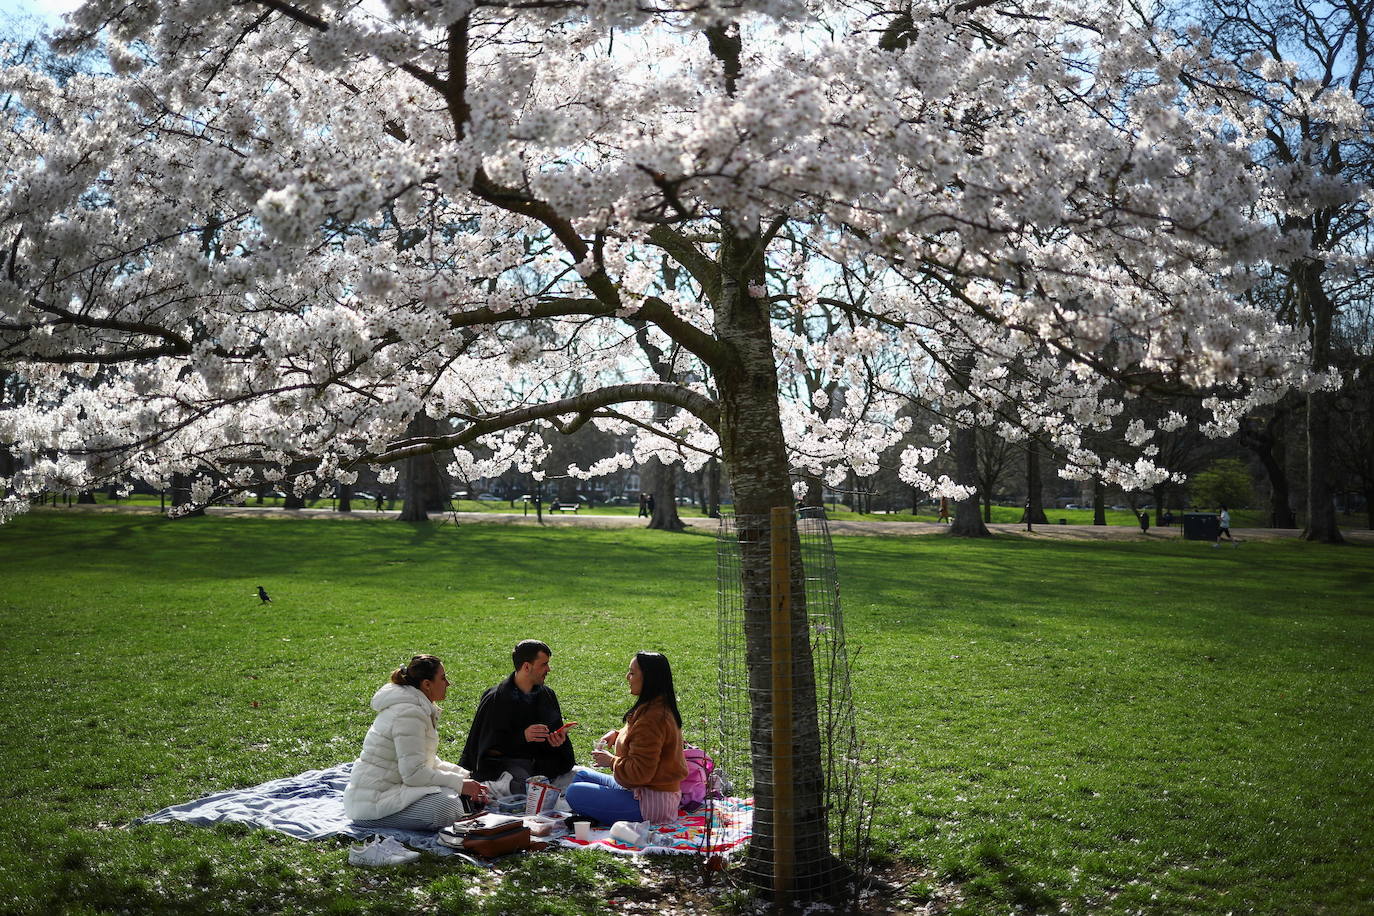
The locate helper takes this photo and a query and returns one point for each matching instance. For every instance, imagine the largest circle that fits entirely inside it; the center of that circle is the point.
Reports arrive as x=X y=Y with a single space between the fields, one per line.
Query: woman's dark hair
x=658 y=682
x=421 y=668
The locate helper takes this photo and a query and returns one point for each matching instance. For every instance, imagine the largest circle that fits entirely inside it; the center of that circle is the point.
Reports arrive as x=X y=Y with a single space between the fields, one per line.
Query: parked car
x=488 y=497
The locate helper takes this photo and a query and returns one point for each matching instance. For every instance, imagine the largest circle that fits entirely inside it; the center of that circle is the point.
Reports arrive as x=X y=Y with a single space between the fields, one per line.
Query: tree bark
x=1321 y=503
x=1035 y=489
x=756 y=458
x=1099 y=503
x=345 y=498
x=1267 y=440
x=663 y=484
x=713 y=488
x=814 y=497
x=967 y=523
x=1321 y=506
x=422 y=486
x=181 y=495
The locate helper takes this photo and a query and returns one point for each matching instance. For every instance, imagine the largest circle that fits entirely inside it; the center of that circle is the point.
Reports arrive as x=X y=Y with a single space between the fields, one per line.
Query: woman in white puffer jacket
x=399 y=780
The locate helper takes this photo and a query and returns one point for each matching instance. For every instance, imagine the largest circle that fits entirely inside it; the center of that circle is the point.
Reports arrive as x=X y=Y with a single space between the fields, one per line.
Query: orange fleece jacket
x=648 y=750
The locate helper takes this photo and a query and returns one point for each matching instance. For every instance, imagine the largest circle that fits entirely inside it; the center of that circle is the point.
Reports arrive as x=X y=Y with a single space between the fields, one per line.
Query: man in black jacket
x=516 y=727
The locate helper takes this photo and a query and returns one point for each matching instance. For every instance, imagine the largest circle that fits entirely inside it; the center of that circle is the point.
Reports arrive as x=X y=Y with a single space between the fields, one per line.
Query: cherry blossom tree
x=277 y=233
x=1291 y=63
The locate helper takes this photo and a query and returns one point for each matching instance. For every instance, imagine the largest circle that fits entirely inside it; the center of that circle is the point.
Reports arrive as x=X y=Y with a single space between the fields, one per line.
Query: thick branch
x=698 y=405
x=703 y=269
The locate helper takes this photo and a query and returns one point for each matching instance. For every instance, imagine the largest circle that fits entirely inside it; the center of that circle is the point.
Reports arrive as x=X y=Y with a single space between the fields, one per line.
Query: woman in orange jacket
x=645 y=755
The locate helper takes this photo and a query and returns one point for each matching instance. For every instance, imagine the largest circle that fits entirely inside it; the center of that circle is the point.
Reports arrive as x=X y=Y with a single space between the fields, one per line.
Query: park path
x=837 y=526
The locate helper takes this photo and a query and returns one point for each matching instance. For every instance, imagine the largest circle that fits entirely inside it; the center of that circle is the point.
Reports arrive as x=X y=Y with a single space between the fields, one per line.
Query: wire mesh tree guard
x=740 y=747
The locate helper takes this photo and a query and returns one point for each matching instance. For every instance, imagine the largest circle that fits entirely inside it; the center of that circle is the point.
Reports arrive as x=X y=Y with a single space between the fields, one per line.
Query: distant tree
x=424 y=486
x=1266 y=435
x=1225 y=483
x=1326 y=51
x=995 y=455
x=1035 y=485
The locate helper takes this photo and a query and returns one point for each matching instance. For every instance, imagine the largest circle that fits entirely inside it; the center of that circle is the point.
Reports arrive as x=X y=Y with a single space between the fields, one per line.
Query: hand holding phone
x=560 y=734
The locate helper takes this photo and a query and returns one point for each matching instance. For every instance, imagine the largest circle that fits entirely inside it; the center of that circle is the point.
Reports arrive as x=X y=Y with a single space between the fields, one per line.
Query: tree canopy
x=280 y=233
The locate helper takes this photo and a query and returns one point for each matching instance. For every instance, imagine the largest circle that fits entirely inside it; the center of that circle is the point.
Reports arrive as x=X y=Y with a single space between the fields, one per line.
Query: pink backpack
x=699 y=768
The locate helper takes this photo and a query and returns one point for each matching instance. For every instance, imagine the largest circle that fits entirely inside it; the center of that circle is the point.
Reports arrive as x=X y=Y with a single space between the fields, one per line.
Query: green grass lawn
x=1108 y=727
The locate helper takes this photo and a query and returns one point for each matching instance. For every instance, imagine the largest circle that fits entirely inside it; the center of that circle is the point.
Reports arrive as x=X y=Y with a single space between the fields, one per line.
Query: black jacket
x=498 y=730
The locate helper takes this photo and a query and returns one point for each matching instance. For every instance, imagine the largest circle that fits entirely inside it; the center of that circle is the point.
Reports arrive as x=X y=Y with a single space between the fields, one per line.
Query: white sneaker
x=381 y=851
x=401 y=852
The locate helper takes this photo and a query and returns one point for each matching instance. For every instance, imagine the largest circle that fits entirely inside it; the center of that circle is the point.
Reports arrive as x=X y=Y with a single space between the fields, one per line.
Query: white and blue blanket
x=308 y=806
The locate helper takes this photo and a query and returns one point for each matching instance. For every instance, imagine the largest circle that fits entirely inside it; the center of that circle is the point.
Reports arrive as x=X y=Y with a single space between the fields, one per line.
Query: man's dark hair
x=527 y=650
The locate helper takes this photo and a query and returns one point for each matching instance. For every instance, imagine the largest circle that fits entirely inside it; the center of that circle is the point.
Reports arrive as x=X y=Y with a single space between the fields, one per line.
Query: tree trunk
x=756 y=458
x=422 y=487
x=1035 y=489
x=1267 y=440
x=814 y=497
x=181 y=496
x=967 y=523
x=85 y=498
x=713 y=488
x=663 y=484
x=1321 y=506
x=1099 y=503
x=345 y=498
x=1158 y=495
x=1321 y=503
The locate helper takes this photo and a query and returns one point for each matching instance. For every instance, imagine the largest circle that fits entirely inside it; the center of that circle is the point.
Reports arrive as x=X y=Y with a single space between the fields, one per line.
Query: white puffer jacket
x=399 y=763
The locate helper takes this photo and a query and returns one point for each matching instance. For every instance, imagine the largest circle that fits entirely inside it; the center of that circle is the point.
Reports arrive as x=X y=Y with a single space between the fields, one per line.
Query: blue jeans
x=598 y=795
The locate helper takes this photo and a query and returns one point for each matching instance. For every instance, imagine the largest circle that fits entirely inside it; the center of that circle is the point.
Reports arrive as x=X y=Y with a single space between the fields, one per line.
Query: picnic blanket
x=722 y=830
x=309 y=806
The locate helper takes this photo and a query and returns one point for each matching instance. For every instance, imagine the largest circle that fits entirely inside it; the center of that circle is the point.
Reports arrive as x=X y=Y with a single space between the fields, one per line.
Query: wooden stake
x=784 y=852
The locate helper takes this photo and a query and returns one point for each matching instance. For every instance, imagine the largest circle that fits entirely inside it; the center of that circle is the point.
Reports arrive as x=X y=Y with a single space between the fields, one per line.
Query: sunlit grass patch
x=1111 y=727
